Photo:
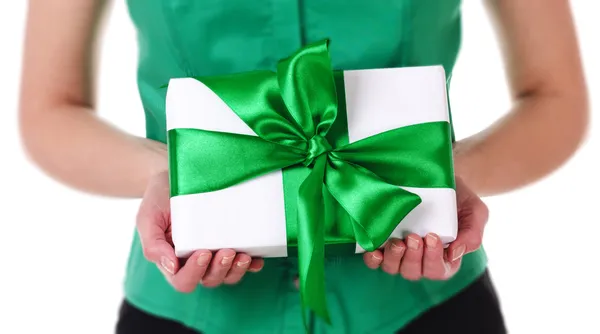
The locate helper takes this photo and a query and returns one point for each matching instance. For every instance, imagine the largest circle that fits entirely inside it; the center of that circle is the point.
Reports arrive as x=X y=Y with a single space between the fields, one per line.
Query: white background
x=63 y=253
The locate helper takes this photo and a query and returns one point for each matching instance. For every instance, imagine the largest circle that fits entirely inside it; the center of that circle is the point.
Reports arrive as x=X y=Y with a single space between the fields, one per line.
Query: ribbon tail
x=376 y=207
x=311 y=242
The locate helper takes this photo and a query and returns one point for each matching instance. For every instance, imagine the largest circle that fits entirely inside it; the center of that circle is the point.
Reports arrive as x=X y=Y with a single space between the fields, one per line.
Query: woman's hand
x=416 y=257
x=202 y=267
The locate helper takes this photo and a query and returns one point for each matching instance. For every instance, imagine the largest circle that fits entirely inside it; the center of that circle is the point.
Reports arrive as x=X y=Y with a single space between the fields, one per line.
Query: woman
x=410 y=286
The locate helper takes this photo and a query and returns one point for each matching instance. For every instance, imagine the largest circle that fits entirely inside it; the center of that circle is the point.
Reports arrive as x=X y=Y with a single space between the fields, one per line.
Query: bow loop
x=308 y=89
x=317 y=145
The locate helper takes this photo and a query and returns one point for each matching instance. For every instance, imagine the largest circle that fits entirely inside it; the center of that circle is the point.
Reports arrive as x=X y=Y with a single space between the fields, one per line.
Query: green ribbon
x=292 y=112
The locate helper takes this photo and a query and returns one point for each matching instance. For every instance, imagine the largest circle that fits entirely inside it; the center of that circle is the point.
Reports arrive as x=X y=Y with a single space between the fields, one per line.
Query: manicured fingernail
x=412 y=243
x=203 y=259
x=431 y=240
x=243 y=264
x=398 y=249
x=377 y=257
x=167 y=265
x=226 y=260
x=458 y=252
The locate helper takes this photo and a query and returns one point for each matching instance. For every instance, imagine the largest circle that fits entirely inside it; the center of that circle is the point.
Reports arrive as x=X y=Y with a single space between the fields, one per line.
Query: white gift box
x=249 y=217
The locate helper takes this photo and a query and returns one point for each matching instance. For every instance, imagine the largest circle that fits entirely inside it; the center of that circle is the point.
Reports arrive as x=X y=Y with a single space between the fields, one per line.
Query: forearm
x=531 y=141
x=546 y=81
x=59 y=129
x=75 y=146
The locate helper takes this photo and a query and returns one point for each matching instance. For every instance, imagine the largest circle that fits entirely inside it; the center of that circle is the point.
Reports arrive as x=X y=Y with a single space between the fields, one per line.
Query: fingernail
x=458 y=252
x=398 y=249
x=447 y=269
x=412 y=243
x=431 y=240
x=203 y=259
x=243 y=264
x=227 y=260
x=167 y=265
x=377 y=257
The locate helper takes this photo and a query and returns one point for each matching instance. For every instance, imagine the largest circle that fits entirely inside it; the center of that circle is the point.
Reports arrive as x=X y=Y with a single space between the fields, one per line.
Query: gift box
x=307 y=161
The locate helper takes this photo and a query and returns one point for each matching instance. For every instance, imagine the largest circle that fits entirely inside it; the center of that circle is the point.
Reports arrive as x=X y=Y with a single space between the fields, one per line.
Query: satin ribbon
x=292 y=112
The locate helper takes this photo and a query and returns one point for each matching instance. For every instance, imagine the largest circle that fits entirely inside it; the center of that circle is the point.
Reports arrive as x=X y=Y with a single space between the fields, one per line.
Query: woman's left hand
x=415 y=257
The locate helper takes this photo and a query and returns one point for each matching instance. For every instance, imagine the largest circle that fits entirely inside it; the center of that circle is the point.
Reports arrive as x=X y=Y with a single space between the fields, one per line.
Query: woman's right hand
x=203 y=266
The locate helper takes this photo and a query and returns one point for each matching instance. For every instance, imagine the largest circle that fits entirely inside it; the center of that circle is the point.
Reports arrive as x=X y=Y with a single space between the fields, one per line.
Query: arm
x=66 y=139
x=544 y=128
x=550 y=115
x=59 y=128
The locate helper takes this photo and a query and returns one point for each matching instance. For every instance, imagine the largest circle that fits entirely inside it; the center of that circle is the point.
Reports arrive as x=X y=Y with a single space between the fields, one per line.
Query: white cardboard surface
x=376 y=101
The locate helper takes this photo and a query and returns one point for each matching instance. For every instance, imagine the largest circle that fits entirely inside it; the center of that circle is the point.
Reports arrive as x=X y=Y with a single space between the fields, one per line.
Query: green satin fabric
x=292 y=112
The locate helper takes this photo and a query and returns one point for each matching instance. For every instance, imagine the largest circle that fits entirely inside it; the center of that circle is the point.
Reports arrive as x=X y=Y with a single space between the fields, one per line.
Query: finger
x=187 y=278
x=238 y=269
x=373 y=259
x=412 y=261
x=394 y=249
x=434 y=265
x=256 y=265
x=218 y=268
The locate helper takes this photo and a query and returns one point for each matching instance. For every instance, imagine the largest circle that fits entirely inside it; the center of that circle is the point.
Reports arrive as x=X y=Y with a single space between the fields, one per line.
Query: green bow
x=292 y=112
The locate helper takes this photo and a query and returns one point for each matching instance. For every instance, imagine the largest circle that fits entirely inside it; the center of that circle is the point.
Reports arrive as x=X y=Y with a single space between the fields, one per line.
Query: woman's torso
x=181 y=38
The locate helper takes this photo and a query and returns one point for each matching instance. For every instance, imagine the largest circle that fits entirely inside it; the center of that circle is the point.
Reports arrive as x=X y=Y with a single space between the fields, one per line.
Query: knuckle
x=149 y=252
x=482 y=212
x=431 y=266
x=413 y=259
x=476 y=241
x=435 y=255
x=221 y=270
x=145 y=216
x=411 y=271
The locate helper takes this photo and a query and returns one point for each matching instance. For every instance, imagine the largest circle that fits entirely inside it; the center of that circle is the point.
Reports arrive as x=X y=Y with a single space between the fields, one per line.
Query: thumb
x=471 y=224
x=155 y=246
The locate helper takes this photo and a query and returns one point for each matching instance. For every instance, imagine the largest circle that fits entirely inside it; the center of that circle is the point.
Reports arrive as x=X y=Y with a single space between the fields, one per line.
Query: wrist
x=157 y=158
x=465 y=155
x=460 y=152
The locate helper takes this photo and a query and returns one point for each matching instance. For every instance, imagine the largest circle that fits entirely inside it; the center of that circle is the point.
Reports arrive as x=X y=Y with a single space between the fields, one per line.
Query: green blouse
x=183 y=38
